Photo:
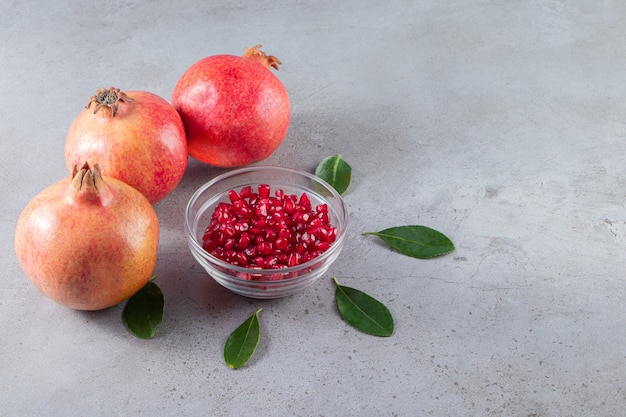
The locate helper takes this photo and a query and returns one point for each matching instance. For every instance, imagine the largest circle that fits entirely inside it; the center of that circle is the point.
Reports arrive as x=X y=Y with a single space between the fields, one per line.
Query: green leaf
x=416 y=241
x=336 y=172
x=363 y=312
x=143 y=313
x=242 y=343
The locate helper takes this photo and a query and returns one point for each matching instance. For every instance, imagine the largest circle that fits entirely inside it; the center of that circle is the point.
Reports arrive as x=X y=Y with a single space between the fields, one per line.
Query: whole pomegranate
x=235 y=110
x=88 y=242
x=135 y=136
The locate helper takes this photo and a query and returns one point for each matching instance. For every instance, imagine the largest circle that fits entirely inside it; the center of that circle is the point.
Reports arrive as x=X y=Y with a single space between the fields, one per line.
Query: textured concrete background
x=499 y=123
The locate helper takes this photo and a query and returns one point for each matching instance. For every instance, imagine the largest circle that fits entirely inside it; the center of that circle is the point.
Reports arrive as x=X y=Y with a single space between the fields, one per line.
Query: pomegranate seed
x=301 y=248
x=323 y=246
x=218 y=252
x=259 y=231
x=241 y=226
x=256 y=230
x=264 y=190
x=281 y=244
x=271 y=235
x=289 y=206
x=242 y=259
x=324 y=234
x=305 y=202
x=244 y=240
x=270 y=262
x=230 y=255
x=315 y=223
x=264 y=248
x=209 y=245
x=294 y=259
x=246 y=192
x=229 y=244
x=233 y=196
x=229 y=230
x=261 y=209
x=260 y=223
x=280 y=216
x=242 y=209
x=219 y=239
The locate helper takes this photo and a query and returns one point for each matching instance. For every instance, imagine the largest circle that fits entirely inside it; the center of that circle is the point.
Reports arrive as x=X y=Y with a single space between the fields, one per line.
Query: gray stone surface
x=499 y=123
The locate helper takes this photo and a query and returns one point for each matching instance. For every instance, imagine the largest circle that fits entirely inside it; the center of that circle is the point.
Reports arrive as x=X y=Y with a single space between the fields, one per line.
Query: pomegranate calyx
x=88 y=183
x=256 y=54
x=108 y=98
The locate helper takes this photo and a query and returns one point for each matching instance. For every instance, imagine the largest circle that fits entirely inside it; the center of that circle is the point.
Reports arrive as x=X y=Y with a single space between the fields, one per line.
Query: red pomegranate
x=235 y=110
x=88 y=242
x=134 y=136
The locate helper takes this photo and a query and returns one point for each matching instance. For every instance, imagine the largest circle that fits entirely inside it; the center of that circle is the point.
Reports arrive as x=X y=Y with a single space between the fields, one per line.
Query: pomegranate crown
x=269 y=61
x=109 y=98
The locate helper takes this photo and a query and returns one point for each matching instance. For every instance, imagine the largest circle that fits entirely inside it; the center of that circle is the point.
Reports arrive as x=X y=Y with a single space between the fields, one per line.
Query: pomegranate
x=135 y=136
x=258 y=230
x=235 y=110
x=88 y=242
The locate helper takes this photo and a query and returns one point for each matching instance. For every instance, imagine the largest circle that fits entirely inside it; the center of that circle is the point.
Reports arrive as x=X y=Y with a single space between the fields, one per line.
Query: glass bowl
x=263 y=283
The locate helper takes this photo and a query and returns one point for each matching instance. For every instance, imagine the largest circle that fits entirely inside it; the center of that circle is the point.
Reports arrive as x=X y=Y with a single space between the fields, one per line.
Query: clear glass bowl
x=264 y=283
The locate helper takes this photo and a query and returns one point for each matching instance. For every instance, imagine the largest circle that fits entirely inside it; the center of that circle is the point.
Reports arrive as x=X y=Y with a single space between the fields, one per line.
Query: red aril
x=259 y=230
x=235 y=110
x=88 y=242
x=134 y=136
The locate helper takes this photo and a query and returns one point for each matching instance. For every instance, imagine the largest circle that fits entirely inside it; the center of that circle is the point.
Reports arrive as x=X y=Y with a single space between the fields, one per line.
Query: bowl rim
x=336 y=245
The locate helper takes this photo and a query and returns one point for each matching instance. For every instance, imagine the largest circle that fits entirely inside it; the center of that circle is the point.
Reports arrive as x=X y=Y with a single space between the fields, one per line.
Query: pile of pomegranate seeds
x=257 y=230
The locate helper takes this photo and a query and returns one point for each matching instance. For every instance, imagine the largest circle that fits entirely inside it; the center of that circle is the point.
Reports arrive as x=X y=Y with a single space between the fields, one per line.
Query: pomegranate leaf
x=416 y=241
x=335 y=171
x=242 y=343
x=143 y=313
x=363 y=312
